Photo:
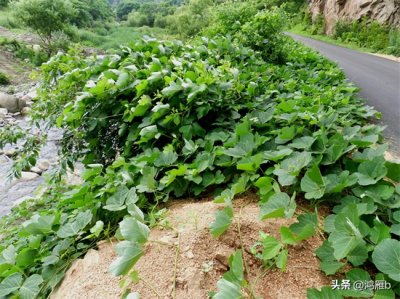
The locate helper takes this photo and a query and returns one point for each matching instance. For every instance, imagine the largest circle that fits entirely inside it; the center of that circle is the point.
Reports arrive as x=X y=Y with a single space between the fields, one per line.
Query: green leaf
x=147 y=181
x=227 y=290
x=277 y=155
x=223 y=220
x=166 y=158
x=10 y=284
x=337 y=183
x=357 y=275
x=172 y=89
x=384 y=294
x=281 y=259
x=343 y=243
x=129 y=253
x=236 y=265
x=305 y=227
x=302 y=142
x=39 y=224
x=328 y=262
x=95 y=169
x=313 y=184
x=324 y=293
x=290 y=168
x=250 y=164
x=386 y=257
x=393 y=171
x=25 y=257
x=370 y=172
x=358 y=255
x=379 y=232
x=278 y=205
x=336 y=149
x=271 y=247
x=286 y=134
x=133 y=230
x=331 y=267
x=148 y=133
x=116 y=202
x=265 y=185
x=76 y=225
x=31 y=287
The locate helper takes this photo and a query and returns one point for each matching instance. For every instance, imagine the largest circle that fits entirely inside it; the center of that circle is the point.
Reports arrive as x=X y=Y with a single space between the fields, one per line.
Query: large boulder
x=383 y=11
x=11 y=103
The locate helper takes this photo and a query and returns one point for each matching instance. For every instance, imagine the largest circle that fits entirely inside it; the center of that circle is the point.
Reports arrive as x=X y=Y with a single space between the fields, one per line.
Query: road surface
x=378 y=78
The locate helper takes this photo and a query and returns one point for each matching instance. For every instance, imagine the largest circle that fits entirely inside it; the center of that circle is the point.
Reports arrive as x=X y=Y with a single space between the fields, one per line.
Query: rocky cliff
x=383 y=11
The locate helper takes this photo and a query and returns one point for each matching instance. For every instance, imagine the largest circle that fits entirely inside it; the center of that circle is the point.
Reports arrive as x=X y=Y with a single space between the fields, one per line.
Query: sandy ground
x=189 y=248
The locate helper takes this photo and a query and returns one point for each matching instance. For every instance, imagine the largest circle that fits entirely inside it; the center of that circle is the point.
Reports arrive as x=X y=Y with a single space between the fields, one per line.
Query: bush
x=4 y=79
x=137 y=19
x=124 y=7
x=394 y=42
x=229 y=17
x=367 y=34
x=318 y=25
x=264 y=34
x=190 y=19
x=45 y=17
x=4 y=3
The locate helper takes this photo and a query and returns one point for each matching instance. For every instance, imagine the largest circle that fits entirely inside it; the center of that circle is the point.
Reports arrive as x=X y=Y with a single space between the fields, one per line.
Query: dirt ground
x=189 y=249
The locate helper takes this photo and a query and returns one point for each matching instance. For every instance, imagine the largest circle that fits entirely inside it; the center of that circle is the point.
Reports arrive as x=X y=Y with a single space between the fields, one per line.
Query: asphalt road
x=378 y=78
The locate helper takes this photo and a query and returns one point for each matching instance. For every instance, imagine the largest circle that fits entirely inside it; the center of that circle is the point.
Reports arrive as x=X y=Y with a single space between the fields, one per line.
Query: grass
x=300 y=29
x=4 y=79
x=7 y=19
x=116 y=36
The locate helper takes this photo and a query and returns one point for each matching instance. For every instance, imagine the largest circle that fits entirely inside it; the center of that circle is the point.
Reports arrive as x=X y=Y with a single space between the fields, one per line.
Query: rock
x=189 y=254
x=36 y=170
x=383 y=11
x=168 y=240
x=25 y=110
x=10 y=152
x=3 y=112
x=27 y=176
x=222 y=257
x=43 y=165
x=9 y=102
x=32 y=94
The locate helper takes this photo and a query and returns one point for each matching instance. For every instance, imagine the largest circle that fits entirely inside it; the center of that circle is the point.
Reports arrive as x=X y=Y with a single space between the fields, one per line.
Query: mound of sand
x=192 y=260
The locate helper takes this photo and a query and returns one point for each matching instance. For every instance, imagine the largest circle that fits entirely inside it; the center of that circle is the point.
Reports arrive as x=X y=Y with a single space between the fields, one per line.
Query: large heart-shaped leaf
x=386 y=258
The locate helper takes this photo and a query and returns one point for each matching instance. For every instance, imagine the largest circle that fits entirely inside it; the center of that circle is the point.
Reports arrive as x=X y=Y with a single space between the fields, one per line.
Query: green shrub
x=4 y=3
x=368 y=34
x=318 y=25
x=45 y=17
x=4 y=79
x=264 y=34
x=190 y=19
x=137 y=19
x=229 y=17
x=394 y=42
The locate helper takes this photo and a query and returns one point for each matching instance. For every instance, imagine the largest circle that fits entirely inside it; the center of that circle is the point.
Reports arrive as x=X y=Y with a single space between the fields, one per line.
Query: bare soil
x=180 y=256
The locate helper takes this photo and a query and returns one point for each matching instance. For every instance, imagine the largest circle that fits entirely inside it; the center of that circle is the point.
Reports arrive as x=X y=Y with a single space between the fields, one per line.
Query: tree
x=45 y=17
x=125 y=7
x=89 y=11
x=4 y=3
